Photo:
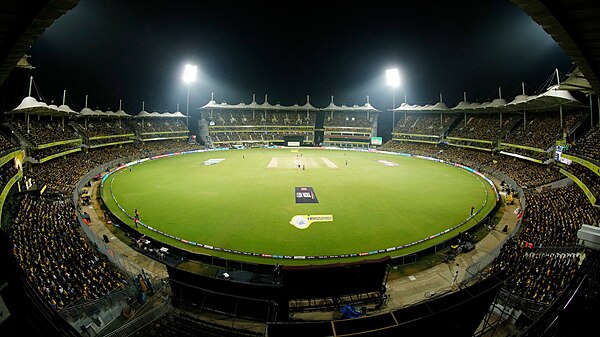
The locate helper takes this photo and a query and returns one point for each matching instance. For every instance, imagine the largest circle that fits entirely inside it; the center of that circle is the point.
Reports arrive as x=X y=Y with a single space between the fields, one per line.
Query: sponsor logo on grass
x=388 y=163
x=304 y=221
x=305 y=195
x=213 y=161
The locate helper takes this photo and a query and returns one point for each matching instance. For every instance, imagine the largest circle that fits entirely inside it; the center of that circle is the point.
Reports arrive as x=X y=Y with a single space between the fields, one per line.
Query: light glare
x=189 y=73
x=392 y=77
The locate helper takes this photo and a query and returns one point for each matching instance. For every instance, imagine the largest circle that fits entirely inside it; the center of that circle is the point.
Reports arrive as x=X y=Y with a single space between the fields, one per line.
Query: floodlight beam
x=392 y=77
x=189 y=76
x=189 y=73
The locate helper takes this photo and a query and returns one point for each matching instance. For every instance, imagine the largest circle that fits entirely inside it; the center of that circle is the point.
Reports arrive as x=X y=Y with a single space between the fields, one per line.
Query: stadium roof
x=212 y=104
x=333 y=107
x=573 y=24
x=576 y=81
x=154 y=114
x=30 y=105
x=23 y=21
x=549 y=100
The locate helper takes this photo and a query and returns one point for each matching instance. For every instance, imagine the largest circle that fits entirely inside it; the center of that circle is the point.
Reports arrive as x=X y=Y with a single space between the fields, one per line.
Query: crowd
x=536 y=275
x=483 y=126
x=260 y=127
x=424 y=123
x=552 y=218
x=6 y=145
x=7 y=171
x=104 y=127
x=44 y=131
x=257 y=136
x=48 y=151
x=158 y=124
x=261 y=118
x=541 y=130
x=587 y=176
x=55 y=257
x=348 y=120
x=526 y=174
x=588 y=146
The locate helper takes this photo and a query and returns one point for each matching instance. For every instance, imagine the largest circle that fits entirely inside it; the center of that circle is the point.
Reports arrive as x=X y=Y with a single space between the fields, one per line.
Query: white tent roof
x=550 y=99
x=439 y=106
x=576 y=81
x=30 y=105
x=66 y=109
x=355 y=107
x=87 y=112
x=462 y=105
x=121 y=113
x=212 y=104
x=178 y=114
x=143 y=113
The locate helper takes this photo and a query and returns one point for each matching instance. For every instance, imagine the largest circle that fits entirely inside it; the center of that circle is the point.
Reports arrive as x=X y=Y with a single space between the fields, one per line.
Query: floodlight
x=392 y=77
x=189 y=76
x=189 y=73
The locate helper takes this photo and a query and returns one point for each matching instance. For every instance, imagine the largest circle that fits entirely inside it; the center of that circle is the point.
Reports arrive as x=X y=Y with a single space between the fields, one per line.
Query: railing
x=75 y=311
x=158 y=306
x=142 y=321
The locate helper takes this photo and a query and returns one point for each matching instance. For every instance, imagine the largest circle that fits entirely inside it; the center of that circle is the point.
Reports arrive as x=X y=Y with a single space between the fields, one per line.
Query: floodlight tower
x=392 y=78
x=189 y=77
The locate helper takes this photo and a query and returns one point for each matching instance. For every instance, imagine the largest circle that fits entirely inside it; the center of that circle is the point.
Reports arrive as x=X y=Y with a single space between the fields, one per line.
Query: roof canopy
x=156 y=114
x=576 y=81
x=30 y=105
x=212 y=104
x=549 y=100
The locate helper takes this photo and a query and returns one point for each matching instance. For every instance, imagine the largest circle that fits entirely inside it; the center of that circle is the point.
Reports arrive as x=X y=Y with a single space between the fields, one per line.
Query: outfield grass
x=243 y=204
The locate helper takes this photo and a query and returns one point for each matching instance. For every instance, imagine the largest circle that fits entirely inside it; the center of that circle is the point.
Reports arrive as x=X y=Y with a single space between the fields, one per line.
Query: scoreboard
x=558 y=155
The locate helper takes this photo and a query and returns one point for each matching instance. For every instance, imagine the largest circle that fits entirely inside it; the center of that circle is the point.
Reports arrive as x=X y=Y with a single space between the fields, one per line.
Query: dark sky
x=136 y=50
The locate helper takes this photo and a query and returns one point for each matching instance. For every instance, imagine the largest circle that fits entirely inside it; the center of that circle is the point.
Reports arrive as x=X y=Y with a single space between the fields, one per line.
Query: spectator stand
x=6 y=143
x=425 y=124
x=47 y=136
x=11 y=172
x=346 y=126
x=259 y=124
x=160 y=126
x=104 y=128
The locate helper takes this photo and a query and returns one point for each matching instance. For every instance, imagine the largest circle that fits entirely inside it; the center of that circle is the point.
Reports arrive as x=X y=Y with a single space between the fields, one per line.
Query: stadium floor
x=402 y=291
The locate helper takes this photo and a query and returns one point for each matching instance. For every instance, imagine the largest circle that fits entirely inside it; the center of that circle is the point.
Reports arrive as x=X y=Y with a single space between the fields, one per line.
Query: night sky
x=136 y=51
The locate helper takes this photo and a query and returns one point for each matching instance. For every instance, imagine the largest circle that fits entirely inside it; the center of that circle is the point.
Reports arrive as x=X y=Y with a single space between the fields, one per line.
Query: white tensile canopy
x=31 y=106
x=549 y=100
x=333 y=107
x=212 y=104
x=576 y=81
